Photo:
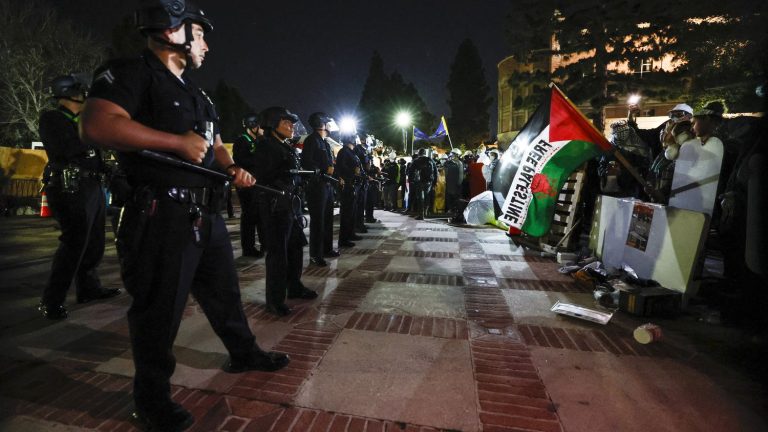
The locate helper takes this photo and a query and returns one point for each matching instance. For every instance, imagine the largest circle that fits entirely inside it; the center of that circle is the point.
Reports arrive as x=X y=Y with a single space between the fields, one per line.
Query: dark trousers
x=371 y=201
x=320 y=202
x=451 y=199
x=389 y=196
x=251 y=223
x=347 y=212
x=81 y=216
x=420 y=196
x=411 y=197
x=161 y=263
x=362 y=199
x=285 y=251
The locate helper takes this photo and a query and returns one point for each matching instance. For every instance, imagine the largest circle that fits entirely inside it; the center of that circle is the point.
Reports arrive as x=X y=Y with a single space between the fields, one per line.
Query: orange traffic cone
x=45 y=211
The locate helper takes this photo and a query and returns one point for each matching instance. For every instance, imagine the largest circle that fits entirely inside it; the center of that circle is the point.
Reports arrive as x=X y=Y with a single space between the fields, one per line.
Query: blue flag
x=419 y=135
x=441 y=131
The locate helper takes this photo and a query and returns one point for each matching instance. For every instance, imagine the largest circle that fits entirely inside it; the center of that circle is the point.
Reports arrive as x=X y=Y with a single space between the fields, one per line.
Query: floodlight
x=403 y=119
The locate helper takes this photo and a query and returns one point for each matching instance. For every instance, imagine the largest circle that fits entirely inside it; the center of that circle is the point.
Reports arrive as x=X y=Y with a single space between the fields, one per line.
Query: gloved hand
x=727 y=206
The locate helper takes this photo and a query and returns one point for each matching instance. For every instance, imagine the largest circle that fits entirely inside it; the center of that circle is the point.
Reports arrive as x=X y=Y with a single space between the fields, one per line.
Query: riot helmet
x=270 y=119
x=251 y=121
x=70 y=86
x=320 y=120
x=157 y=15
x=350 y=139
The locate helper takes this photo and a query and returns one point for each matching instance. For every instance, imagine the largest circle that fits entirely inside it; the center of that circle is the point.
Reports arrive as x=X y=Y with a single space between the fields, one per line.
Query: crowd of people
x=702 y=161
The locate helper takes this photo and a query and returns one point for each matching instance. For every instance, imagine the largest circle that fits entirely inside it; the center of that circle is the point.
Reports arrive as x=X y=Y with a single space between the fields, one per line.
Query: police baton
x=170 y=160
x=310 y=172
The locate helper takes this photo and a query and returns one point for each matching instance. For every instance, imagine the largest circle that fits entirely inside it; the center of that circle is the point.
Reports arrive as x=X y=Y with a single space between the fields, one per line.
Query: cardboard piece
x=671 y=242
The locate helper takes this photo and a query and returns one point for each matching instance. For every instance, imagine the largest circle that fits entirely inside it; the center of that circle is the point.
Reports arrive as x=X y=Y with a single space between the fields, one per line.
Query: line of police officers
x=171 y=239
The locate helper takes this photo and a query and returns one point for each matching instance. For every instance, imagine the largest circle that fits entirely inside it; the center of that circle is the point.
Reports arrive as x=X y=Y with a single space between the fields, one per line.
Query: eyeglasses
x=677 y=114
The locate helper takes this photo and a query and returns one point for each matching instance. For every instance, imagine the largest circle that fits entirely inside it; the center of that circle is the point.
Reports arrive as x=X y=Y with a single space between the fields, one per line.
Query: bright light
x=348 y=125
x=633 y=99
x=403 y=119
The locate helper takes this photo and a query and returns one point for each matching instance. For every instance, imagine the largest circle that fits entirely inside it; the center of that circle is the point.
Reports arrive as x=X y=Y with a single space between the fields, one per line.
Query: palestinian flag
x=555 y=141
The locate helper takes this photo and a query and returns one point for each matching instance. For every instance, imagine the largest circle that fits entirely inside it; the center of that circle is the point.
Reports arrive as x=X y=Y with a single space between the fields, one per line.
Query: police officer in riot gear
x=245 y=154
x=361 y=150
x=421 y=176
x=171 y=239
x=76 y=199
x=349 y=170
x=317 y=156
x=284 y=217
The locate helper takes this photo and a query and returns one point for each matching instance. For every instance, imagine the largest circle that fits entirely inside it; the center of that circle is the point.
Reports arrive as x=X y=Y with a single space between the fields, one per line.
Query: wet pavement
x=421 y=326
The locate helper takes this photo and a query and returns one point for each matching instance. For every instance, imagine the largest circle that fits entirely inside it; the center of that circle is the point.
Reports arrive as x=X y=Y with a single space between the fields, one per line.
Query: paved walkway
x=420 y=327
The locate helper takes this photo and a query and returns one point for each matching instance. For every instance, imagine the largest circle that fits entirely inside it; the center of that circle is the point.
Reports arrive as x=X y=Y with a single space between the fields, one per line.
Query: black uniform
x=245 y=154
x=171 y=238
x=420 y=177
x=317 y=155
x=348 y=168
x=362 y=196
x=79 y=209
x=284 y=218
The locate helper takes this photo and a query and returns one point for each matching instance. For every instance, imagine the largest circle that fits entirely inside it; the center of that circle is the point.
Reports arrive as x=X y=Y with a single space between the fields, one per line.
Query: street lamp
x=403 y=120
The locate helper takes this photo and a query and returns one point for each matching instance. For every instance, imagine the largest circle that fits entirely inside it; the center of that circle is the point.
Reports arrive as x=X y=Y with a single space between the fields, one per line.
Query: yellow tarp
x=22 y=164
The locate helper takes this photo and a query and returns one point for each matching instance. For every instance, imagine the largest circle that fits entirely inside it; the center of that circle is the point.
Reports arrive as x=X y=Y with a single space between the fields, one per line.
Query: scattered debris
x=647 y=333
x=581 y=312
x=623 y=289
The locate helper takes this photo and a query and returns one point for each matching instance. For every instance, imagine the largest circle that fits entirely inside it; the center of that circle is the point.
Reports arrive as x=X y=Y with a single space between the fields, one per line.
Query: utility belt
x=209 y=198
x=70 y=177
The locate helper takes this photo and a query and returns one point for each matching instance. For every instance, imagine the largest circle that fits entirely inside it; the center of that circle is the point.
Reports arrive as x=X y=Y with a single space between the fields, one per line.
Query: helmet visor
x=331 y=126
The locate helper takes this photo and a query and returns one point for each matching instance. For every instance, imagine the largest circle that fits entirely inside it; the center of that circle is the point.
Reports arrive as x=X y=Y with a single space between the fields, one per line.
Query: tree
x=231 y=108
x=36 y=45
x=719 y=46
x=724 y=46
x=469 y=96
x=383 y=96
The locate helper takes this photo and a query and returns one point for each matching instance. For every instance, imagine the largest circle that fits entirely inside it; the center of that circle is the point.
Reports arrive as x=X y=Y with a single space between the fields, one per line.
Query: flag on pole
x=441 y=131
x=418 y=134
x=552 y=144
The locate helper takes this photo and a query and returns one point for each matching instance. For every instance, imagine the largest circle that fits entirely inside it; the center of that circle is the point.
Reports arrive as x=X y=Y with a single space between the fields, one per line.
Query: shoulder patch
x=105 y=75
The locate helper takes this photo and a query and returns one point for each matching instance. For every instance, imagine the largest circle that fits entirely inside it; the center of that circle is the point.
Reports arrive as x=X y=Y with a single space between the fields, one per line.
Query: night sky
x=314 y=55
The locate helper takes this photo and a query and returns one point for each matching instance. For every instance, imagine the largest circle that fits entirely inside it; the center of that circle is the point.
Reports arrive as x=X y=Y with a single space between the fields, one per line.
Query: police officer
x=349 y=170
x=362 y=197
x=420 y=175
x=171 y=237
x=76 y=199
x=317 y=156
x=284 y=217
x=245 y=154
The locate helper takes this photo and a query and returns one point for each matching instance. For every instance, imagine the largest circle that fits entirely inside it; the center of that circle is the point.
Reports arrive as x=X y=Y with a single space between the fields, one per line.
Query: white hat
x=683 y=107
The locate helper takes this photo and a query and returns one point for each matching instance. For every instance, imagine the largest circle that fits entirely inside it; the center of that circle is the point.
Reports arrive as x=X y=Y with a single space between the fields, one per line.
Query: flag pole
x=614 y=151
x=446 y=131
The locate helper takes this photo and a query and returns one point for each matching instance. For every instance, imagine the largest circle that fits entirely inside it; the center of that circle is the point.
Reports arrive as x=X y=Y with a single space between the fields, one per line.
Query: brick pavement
x=421 y=327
